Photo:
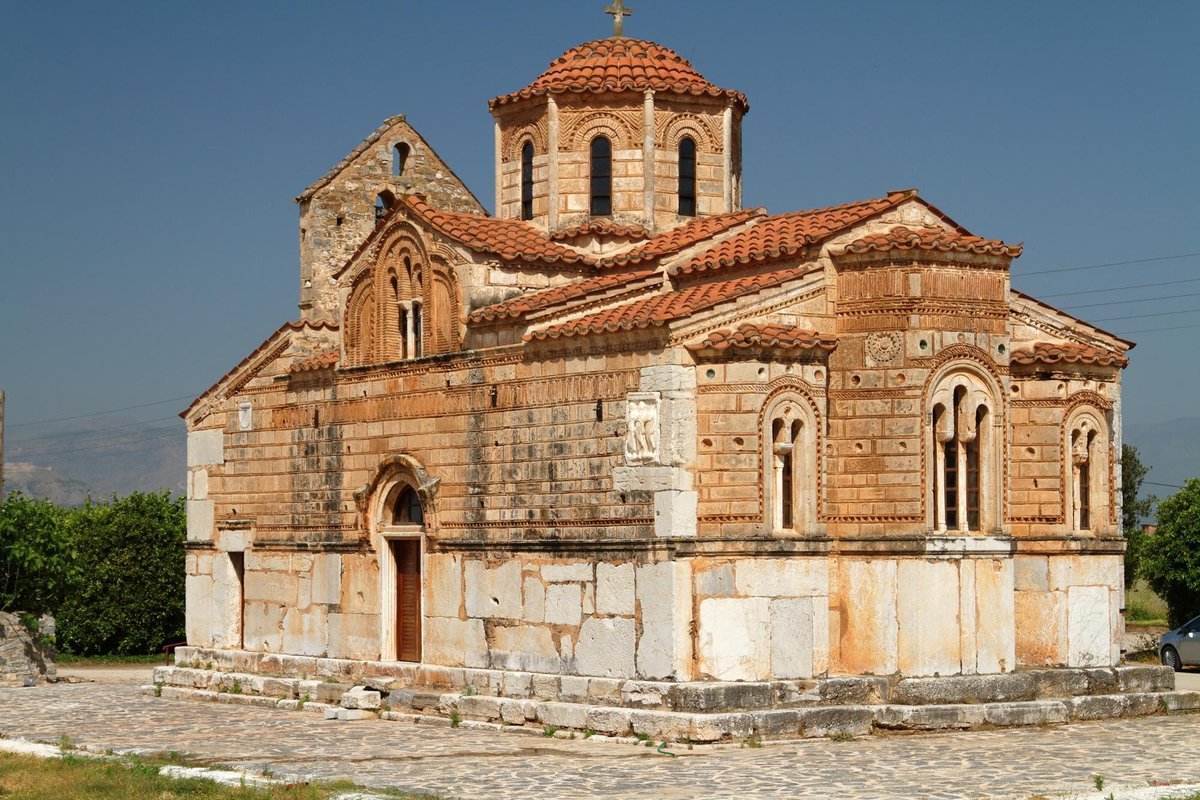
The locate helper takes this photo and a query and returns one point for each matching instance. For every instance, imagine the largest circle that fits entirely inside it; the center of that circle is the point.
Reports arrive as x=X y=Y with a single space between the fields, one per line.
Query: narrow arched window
x=527 y=181
x=963 y=456
x=601 y=203
x=785 y=439
x=687 y=177
x=399 y=159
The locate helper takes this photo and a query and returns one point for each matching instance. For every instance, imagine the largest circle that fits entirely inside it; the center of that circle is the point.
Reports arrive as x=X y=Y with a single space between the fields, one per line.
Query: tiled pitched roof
x=1068 y=353
x=769 y=335
x=662 y=308
x=324 y=360
x=510 y=239
x=620 y=64
x=681 y=237
x=602 y=226
x=788 y=234
x=547 y=298
x=901 y=238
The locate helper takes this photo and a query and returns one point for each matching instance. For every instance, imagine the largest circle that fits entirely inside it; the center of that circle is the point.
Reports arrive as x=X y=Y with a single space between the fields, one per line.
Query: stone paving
x=477 y=764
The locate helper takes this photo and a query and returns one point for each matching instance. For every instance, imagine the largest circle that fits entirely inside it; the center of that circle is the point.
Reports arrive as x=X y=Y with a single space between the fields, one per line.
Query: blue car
x=1181 y=647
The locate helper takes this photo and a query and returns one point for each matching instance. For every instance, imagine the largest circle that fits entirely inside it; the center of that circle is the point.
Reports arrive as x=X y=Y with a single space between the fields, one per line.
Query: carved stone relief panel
x=641 y=434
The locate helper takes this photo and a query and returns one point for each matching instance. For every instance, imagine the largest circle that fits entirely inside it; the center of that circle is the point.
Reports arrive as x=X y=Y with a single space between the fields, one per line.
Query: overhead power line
x=1119 y=288
x=1128 y=301
x=1147 y=316
x=1111 y=264
x=1152 y=330
x=112 y=438
x=84 y=435
x=102 y=413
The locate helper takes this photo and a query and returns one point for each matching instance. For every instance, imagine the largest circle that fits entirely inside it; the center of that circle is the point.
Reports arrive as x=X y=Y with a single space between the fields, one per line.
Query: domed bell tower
x=618 y=131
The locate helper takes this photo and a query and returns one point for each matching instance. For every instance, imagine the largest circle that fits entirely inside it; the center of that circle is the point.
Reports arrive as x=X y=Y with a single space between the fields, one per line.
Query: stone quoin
x=629 y=429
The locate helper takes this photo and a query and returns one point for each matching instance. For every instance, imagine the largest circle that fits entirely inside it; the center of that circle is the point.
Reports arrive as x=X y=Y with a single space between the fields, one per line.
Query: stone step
x=713 y=727
x=333 y=677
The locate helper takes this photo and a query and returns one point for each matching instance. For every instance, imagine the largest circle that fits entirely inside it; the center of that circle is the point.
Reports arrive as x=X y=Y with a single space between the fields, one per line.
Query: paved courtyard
x=475 y=764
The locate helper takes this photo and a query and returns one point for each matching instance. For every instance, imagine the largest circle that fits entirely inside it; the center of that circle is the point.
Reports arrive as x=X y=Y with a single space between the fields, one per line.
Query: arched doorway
x=401 y=525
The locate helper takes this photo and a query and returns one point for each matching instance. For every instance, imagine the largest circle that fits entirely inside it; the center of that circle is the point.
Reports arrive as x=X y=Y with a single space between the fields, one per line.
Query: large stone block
x=493 y=593
x=929 y=636
x=664 y=600
x=326 y=578
x=1041 y=628
x=929 y=718
x=614 y=589
x=675 y=513
x=354 y=636
x=199 y=520
x=455 y=642
x=781 y=577
x=606 y=648
x=1089 y=637
x=198 y=591
x=869 y=626
x=1036 y=712
x=994 y=618
x=444 y=595
x=305 y=632
x=792 y=637
x=1067 y=571
x=715 y=581
x=527 y=648
x=205 y=448
x=564 y=604
x=734 y=638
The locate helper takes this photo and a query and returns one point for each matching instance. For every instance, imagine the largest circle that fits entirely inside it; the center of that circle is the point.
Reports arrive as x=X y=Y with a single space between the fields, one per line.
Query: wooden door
x=407 y=555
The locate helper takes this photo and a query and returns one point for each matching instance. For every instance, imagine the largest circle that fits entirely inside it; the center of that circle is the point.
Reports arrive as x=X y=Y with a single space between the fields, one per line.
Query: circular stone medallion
x=883 y=347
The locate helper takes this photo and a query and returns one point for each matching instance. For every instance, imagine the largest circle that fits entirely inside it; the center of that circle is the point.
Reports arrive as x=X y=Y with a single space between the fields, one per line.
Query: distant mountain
x=1171 y=449
x=44 y=484
x=100 y=456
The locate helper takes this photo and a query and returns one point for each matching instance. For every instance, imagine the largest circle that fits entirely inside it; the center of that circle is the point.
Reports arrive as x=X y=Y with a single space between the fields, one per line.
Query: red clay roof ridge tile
x=765 y=335
x=903 y=238
x=1067 y=353
x=620 y=65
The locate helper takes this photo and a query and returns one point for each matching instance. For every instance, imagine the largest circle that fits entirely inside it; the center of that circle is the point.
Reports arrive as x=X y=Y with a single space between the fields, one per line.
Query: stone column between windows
x=552 y=163
x=406 y=307
x=727 y=178
x=648 y=159
x=940 y=438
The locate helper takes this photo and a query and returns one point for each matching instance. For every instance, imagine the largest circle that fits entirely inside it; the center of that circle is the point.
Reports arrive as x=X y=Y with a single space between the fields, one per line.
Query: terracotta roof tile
x=547 y=298
x=1068 y=353
x=933 y=239
x=681 y=237
x=510 y=239
x=325 y=360
x=620 y=64
x=788 y=234
x=767 y=335
x=662 y=308
x=602 y=226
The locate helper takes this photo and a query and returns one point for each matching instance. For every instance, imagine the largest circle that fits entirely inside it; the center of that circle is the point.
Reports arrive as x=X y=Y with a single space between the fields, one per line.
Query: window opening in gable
x=527 y=181
x=687 y=177
x=399 y=159
x=601 y=184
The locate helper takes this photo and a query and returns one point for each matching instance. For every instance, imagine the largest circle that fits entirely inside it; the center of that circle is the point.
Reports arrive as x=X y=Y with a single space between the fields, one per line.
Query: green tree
x=1133 y=509
x=1170 y=559
x=129 y=594
x=37 y=559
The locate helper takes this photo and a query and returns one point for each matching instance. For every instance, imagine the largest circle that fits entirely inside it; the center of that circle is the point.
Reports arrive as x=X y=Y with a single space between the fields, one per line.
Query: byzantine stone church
x=630 y=427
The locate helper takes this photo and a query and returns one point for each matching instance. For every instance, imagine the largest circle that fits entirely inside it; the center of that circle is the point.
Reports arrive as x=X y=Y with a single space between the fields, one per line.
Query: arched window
x=1087 y=481
x=383 y=204
x=399 y=159
x=964 y=452
x=687 y=177
x=527 y=181
x=790 y=465
x=601 y=202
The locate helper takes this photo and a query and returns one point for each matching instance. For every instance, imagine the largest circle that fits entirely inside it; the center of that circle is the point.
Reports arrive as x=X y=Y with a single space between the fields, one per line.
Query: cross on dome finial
x=618 y=11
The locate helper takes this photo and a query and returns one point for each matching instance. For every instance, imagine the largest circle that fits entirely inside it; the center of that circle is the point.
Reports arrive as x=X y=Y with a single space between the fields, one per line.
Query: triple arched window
x=687 y=177
x=965 y=454
x=601 y=183
x=402 y=309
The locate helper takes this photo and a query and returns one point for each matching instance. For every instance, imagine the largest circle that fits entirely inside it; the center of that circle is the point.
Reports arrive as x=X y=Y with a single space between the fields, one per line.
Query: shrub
x=1170 y=559
x=37 y=561
x=128 y=596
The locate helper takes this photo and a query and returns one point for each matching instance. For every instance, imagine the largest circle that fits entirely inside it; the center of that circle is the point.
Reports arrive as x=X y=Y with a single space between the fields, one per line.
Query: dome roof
x=620 y=64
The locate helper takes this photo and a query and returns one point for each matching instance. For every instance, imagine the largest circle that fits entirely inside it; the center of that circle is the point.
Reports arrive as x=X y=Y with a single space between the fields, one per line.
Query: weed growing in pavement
x=65 y=743
x=158 y=687
x=550 y=730
x=467 y=690
x=753 y=740
x=236 y=688
x=455 y=719
x=588 y=733
x=1098 y=780
x=840 y=736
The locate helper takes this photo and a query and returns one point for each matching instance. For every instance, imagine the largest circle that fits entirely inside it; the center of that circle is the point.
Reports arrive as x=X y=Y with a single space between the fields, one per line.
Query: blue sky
x=150 y=151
